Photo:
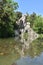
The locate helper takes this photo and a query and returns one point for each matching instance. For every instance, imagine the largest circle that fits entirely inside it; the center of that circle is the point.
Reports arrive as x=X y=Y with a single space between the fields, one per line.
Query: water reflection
x=33 y=55
x=14 y=64
x=12 y=51
x=32 y=49
x=31 y=61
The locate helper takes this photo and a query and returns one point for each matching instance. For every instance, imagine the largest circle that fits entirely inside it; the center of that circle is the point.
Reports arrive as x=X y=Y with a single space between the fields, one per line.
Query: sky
x=30 y=6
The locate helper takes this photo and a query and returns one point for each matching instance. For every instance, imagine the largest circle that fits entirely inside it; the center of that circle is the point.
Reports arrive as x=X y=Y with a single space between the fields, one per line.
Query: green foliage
x=36 y=22
x=31 y=18
x=18 y=15
x=38 y=25
x=7 y=17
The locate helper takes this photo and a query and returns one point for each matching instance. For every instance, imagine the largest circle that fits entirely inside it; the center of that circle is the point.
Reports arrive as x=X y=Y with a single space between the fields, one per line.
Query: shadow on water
x=11 y=52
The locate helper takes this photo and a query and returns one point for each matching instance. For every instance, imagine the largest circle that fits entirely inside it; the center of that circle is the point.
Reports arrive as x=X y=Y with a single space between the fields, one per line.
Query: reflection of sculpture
x=34 y=49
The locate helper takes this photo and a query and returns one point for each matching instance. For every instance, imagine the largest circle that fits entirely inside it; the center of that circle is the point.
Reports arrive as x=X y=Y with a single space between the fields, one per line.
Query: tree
x=31 y=18
x=18 y=15
x=36 y=22
x=7 y=17
x=38 y=25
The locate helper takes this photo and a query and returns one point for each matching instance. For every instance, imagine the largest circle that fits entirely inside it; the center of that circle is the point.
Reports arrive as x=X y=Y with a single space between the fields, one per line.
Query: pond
x=12 y=53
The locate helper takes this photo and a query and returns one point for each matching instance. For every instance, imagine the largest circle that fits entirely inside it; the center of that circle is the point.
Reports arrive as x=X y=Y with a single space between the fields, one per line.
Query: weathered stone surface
x=25 y=26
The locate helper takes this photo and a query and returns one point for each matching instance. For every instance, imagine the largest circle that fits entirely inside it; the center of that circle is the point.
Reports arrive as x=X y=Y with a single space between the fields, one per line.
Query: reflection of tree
x=35 y=48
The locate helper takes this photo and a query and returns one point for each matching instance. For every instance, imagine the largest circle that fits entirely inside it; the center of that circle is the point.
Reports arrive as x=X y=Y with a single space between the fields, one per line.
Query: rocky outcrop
x=25 y=28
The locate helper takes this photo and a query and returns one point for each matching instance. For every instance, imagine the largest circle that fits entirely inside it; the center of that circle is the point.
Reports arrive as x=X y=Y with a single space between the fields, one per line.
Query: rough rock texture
x=32 y=35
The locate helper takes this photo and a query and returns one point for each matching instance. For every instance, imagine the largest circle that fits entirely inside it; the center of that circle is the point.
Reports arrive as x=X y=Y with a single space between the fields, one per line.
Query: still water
x=11 y=52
